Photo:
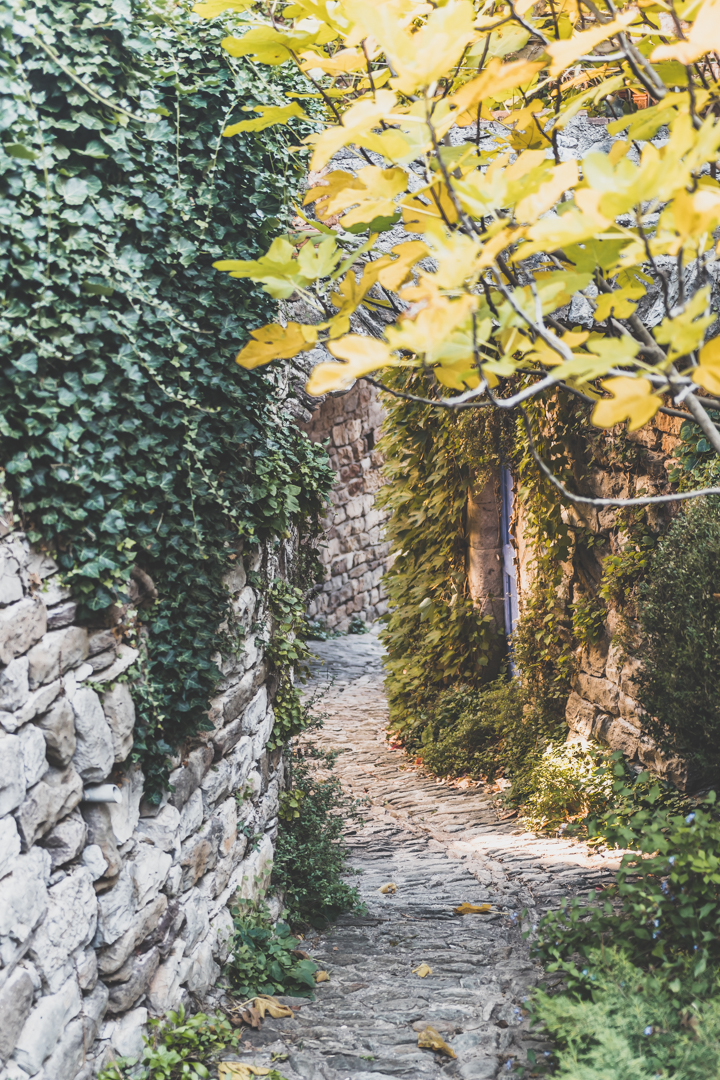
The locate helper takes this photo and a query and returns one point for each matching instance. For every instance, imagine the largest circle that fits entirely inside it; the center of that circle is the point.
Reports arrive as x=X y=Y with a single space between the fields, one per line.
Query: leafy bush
x=310 y=855
x=570 y=781
x=263 y=958
x=630 y=1027
x=178 y=1047
x=680 y=614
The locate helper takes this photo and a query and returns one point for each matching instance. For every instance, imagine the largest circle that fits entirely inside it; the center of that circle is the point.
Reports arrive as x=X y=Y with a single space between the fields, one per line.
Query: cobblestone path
x=440 y=845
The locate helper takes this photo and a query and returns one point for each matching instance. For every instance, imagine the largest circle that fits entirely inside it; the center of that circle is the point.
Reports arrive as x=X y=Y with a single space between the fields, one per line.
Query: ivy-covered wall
x=129 y=437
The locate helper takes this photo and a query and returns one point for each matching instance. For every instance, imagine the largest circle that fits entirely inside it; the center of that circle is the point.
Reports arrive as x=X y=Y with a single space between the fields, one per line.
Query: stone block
x=119 y=710
x=222 y=931
x=32 y=745
x=600 y=692
x=61 y=615
x=102 y=661
x=87 y=969
x=202 y=971
x=69 y=925
x=23 y=902
x=50 y=800
x=58 y=729
x=44 y=1026
x=21 y=625
x=58 y=652
x=12 y=773
x=593 y=658
x=144 y=923
x=100 y=832
x=127 y=1037
x=191 y=816
x=66 y=840
x=124 y=659
x=188 y=778
x=94 y=860
x=196 y=926
x=16 y=998
x=148 y=869
x=162 y=831
x=126 y=814
x=37 y=703
x=116 y=909
x=123 y=995
x=580 y=715
x=69 y=1054
x=9 y=845
x=234 y=700
x=94 y=755
x=14 y=686
x=164 y=991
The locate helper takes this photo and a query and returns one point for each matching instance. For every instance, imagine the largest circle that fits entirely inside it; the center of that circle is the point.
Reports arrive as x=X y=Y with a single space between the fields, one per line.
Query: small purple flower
x=671 y=860
x=690 y=818
x=648 y=1030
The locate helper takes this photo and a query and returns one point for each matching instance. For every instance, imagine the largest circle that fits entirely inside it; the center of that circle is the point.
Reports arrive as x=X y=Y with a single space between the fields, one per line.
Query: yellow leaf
x=395 y=273
x=494 y=81
x=211 y=8
x=361 y=355
x=340 y=63
x=280 y=271
x=270 y=1005
x=704 y=37
x=565 y=53
x=423 y=971
x=371 y=191
x=620 y=303
x=391 y=887
x=273 y=47
x=563 y=177
x=472 y=909
x=427 y=331
x=707 y=374
x=273 y=342
x=321 y=976
x=686 y=331
x=235 y=1070
x=430 y=1039
x=359 y=120
x=632 y=400
x=271 y=114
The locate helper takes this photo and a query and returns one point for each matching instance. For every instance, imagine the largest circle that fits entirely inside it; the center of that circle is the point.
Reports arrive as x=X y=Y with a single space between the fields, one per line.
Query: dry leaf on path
x=430 y=1039
x=322 y=976
x=266 y=1004
x=422 y=971
x=472 y=909
x=391 y=887
x=235 y=1070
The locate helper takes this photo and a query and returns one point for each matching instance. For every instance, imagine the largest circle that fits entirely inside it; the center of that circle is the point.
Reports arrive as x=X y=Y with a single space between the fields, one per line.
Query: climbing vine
x=129 y=436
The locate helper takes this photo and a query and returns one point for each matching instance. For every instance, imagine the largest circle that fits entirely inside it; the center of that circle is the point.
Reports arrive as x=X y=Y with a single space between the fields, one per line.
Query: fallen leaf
x=235 y=1070
x=391 y=887
x=473 y=909
x=430 y=1039
x=266 y=1004
x=248 y=1015
x=322 y=976
x=422 y=971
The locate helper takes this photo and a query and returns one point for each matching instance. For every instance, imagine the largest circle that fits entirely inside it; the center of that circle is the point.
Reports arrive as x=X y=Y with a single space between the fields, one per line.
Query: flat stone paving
x=440 y=844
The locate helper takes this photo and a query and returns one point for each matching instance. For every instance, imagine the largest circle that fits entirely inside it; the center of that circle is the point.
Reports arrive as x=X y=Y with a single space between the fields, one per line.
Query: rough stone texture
x=353 y=551
x=441 y=844
x=99 y=917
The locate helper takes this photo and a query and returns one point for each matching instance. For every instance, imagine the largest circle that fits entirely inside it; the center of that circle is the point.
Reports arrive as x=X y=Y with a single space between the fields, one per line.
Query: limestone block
x=12 y=773
x=144 y=923
x=41 y=564
x=32 y=744
x=600 y=692
x=191 y=816
x=217 y=784
x=125 y=658
x=163 y=830
x=61 y=615
x=119 y=710
x=197 y=920
x=116 y=909
x=69 y=1054
x=45 y=1024
x=9 y=845
x=236 y=697
x=256 y=870
x=126 y=814
x=593 y=658
x=16 y=998
x=94 y=755
x=127 y=1036
x=222 y=931
x=630 y=710
x=100 y=832
x=58 y=728
x=37 y=703
x=102 y=661
x=628 y=675
x=174 y=880
x=202 y=971
x=148 y=869
x=188 y=778
x=66 y=840
x=59 y=651
x=262 y=734
x=69 y=925
x=122 y=996
x=255 y=712
x=14 y=686
x=620 y=735
x=48 y=802
x=94 y=860
x=21 y=625
x=164 y=991
x=87 y=969
x=11 y=587
x=197 y=856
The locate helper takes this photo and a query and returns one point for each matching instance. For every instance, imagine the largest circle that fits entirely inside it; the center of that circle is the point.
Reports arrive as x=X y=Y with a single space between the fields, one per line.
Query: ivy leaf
x=632 y=400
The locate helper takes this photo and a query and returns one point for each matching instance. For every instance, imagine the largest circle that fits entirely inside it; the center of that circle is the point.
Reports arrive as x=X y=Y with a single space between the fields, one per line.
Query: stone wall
x=353 y=552
x=111 y=910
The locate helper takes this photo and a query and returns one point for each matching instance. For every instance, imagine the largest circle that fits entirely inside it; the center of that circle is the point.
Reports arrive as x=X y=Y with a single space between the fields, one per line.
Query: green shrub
x=310 y=855
x=262 y=958
x=570 y=781
x=681 y=617
x=629 y=1027
x=178 y=1047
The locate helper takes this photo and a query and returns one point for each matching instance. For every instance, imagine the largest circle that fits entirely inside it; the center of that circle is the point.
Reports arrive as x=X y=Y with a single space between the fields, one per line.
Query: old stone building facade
x=353 y=553
x=111 y=908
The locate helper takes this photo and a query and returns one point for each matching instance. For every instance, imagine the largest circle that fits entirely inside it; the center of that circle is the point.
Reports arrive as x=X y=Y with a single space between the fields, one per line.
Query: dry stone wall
x=114 y=910
x=353 y=551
